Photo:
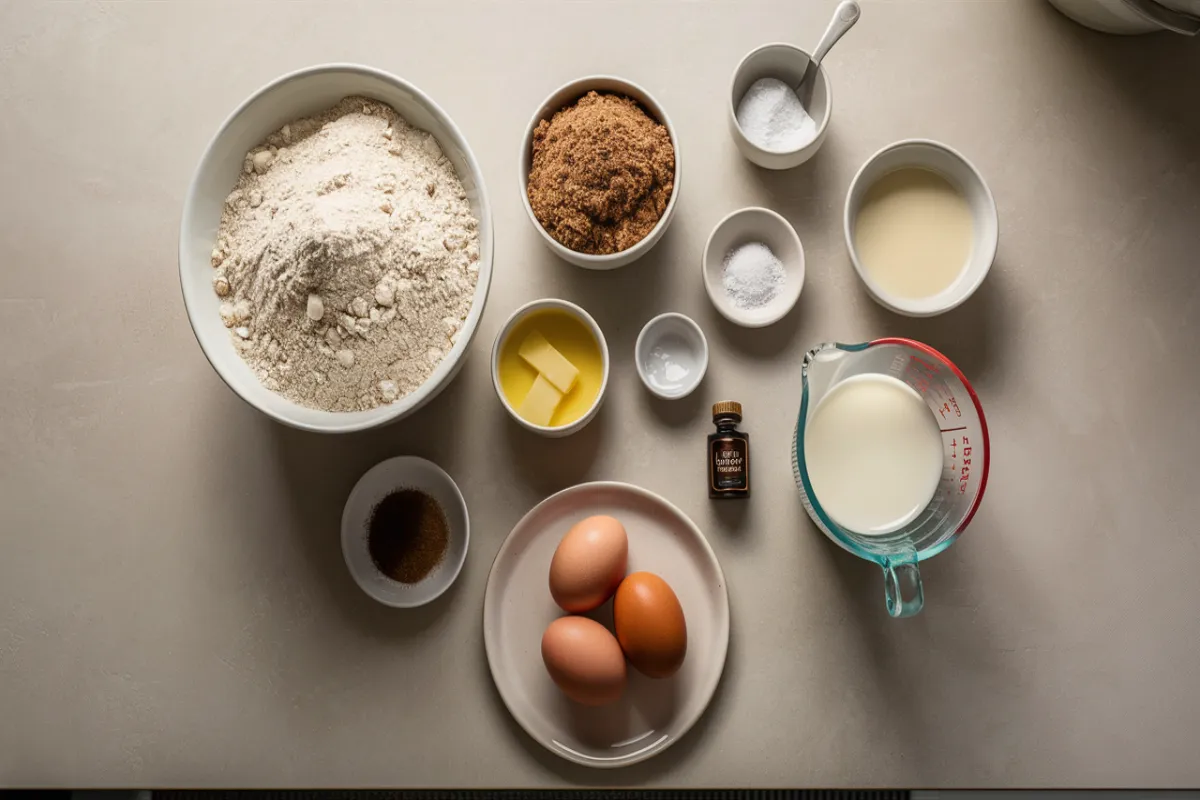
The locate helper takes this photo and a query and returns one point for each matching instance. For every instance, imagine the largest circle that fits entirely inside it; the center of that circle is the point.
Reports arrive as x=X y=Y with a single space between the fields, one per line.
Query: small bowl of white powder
x=671 y=355
x=769 y=123
x=753 y=267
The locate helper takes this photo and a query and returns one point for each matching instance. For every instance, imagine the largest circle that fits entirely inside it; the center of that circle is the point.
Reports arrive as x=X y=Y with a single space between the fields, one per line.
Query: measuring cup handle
x=902 y=587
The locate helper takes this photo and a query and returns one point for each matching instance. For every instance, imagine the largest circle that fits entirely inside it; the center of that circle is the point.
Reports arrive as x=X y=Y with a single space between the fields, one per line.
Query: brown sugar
x=603 y=172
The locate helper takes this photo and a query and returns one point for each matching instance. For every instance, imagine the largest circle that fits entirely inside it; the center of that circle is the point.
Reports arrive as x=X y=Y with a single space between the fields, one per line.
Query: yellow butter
x=542 y=401
x=571 y=337
x=552 y=365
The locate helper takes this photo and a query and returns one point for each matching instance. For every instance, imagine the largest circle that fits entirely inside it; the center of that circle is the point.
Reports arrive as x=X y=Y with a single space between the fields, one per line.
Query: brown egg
x=589 y=564
x=584 y=660
x=650 y=625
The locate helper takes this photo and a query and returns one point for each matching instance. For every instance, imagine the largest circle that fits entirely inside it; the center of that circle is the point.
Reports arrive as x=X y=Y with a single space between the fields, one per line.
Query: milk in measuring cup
x=874 y=453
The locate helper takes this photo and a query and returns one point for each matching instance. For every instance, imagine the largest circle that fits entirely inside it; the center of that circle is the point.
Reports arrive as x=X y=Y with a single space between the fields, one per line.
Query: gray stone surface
x=173 y=604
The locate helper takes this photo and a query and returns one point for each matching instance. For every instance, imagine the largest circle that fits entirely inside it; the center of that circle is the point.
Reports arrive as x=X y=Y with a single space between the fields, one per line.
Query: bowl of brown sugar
x=600 y=171
x=405 y=532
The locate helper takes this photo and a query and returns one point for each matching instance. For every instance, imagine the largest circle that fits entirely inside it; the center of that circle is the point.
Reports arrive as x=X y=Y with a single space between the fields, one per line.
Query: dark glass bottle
x=728 y=454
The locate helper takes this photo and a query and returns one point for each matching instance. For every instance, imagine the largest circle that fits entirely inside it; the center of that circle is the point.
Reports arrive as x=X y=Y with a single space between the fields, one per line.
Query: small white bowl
x=285 y=99
x=742 y=227
x=962 y=175
x=787 y=63
x=558 y=431
x=564 y=96
x=403 y=472
x=679 y=338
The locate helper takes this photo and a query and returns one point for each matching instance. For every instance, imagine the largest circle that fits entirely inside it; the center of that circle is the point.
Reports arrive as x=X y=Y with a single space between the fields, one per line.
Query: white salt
x=771 y=116
x=752 y=275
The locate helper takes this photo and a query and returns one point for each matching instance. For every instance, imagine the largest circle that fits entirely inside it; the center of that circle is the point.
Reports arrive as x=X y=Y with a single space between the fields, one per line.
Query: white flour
x=347 y=258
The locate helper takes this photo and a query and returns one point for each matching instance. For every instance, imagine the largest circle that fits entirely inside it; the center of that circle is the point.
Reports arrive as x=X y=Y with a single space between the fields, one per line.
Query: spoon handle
x=844 y=17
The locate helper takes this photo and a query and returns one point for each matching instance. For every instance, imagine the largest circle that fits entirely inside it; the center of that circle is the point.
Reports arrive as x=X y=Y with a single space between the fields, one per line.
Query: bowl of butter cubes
x=550 y=367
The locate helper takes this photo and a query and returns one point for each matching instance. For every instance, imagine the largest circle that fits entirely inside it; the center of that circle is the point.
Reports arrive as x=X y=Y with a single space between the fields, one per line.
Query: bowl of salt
x=753 y=267
x=769 y=123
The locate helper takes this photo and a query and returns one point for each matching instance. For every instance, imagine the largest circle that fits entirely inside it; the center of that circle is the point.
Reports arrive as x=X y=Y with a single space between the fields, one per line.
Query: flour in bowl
x=346 y=258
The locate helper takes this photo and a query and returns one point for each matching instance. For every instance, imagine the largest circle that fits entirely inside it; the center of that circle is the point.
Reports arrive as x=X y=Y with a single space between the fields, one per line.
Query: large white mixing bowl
x=299 y=94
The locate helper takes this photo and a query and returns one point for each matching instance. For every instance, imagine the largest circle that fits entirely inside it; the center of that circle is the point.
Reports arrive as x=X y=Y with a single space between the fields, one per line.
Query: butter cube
x=540 y=404
x=552 y=365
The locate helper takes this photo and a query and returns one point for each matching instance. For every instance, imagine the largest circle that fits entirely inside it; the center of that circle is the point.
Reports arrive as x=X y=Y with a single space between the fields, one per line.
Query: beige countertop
x=173 y=604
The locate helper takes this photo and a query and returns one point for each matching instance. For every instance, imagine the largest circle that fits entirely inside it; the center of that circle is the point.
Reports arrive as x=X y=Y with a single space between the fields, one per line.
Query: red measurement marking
x=920 y=374
x=948 y=430
x=981 y=424
x=918 y=382
x=965 y=474
x=930 y=367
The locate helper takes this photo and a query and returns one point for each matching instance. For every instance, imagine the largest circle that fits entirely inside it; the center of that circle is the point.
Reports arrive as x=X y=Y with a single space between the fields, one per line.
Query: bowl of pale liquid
x=921 y=227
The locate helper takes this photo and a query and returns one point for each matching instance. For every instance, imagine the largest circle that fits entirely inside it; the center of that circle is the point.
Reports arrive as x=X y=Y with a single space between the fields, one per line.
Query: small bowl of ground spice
x=600 y=171
x=405 y=532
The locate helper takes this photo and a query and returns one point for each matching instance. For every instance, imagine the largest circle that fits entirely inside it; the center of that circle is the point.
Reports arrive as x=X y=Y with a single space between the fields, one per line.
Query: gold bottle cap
x=727 y=407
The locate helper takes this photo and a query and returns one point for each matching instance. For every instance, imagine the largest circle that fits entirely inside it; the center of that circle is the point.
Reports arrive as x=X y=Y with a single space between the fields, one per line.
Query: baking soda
x=771 y=116
x=752 y=275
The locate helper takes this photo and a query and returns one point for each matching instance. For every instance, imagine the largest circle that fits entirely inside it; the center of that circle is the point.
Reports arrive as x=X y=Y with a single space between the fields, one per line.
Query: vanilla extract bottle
x=728 y=454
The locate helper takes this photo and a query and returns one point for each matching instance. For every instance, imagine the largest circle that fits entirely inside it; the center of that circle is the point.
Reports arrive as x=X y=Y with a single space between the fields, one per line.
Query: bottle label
x=728 y=462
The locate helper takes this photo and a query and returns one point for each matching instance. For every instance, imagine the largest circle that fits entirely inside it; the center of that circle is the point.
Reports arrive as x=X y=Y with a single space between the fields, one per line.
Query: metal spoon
x=844 y=17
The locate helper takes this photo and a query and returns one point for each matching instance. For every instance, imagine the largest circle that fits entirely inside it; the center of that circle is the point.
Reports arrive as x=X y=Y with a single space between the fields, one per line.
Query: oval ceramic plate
x=653 y=714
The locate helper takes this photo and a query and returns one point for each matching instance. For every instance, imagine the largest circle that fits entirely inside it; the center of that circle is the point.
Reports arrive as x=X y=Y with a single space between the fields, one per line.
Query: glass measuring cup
x=964 y=432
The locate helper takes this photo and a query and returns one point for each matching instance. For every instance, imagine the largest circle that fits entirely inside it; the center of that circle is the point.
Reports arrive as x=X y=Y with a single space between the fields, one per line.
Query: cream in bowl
x=550 y=367
x=921 y=227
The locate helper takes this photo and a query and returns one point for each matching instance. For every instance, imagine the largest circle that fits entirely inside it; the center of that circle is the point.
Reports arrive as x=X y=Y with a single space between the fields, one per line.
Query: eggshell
x=584 y=660
x=650 y=625
x=589 y=564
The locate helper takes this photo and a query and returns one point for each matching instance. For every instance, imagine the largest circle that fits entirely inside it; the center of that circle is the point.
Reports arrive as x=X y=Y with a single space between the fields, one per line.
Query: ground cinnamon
x=407 y=535
x=603 y=172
